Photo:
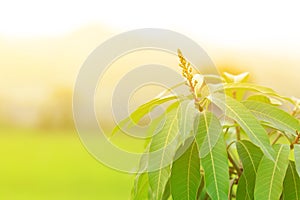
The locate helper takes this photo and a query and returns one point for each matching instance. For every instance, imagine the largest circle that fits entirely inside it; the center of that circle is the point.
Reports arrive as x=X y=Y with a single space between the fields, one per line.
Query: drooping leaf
x=162 y=149
x=250 y=156
x=297 y=157
x=140 y=112
x=215 y=163
x=291 y=184
x=185 y=178
x=246 y=120
x=207 y=132
x=141 y=187
x=274 y=116
x=270 y=175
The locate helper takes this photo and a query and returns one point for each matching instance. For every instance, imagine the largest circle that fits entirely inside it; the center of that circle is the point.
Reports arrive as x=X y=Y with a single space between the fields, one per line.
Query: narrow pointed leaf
x=140 y=112
x=274 y=116
x=215 y=163
x=270 y=175
x=185 y=178
x=297 y=157
x=163 y=148
x=207 y=132
x=145 y=108
x=250 y=156
x=246 y=120
x=291 y=184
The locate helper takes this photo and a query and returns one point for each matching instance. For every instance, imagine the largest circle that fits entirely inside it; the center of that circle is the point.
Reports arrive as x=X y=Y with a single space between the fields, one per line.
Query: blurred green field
x=54 y=165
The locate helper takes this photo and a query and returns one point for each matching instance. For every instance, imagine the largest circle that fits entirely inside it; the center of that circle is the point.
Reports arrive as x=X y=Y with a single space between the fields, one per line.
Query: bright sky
x=231 y=22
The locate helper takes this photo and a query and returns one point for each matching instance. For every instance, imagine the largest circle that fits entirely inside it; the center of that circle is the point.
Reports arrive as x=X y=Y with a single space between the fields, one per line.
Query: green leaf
x=297 y=157
x=186 y=118
x=291 y=184
x=250 y=156
x=270 y=175
x=185 y=178
x=261 y=98
x=215 y=163
x=140 y=112
x=153 y=128
x=146 y=108
x=215 y=166
x=164 y=145
x=207 y=132
x=141 y=187
x=242 y=192
x=246 y=120
x=250 y=87
x=265 y=99
x=274 y=116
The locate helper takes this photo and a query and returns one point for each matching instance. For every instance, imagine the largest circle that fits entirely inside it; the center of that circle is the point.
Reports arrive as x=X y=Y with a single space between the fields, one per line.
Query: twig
x=296 y=141
x=238 y=170
x=238 y=133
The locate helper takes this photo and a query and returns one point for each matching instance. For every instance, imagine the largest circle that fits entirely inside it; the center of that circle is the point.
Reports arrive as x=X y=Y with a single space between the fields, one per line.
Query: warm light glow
x=227 y=22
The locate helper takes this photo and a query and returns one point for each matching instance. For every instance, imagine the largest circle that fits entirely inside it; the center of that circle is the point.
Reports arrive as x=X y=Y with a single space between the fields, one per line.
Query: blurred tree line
x=53 y=111
x=56 y=112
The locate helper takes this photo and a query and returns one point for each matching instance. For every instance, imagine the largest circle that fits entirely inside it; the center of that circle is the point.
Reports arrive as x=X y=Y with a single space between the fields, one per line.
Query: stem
x=238 y=170
x=296 y=140
x=232 y=171
x=238 y=133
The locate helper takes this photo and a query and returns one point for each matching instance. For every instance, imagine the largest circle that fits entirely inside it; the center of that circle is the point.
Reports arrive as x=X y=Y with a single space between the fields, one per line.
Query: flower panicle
x=194 y=82
x=186 y=68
